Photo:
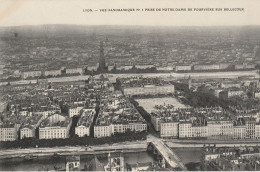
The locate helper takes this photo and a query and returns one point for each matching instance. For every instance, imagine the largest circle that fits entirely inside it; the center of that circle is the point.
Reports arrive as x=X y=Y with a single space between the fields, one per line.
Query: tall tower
x=102 y=63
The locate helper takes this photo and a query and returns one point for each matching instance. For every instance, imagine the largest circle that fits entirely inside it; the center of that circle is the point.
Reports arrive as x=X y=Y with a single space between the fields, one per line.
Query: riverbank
x=135 y=146
x=174 y=75
x=174 y=143
x=129 y=146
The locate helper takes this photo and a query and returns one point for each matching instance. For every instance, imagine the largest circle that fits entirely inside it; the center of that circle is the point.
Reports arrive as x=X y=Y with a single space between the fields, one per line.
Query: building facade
x=169 y=129
x=55 y=127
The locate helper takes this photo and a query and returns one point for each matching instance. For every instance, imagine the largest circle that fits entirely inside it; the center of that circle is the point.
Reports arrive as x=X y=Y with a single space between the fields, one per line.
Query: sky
x=40 y=12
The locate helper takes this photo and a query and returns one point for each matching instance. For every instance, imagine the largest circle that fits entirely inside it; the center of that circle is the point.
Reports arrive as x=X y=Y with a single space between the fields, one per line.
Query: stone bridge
x=165 y=155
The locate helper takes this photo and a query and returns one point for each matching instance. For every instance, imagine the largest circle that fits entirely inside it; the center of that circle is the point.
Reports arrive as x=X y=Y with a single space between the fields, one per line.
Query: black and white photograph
x=129 y=85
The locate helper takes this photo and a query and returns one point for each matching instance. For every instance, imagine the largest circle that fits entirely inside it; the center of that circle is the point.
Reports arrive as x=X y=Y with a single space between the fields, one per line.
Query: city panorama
x=129 y=98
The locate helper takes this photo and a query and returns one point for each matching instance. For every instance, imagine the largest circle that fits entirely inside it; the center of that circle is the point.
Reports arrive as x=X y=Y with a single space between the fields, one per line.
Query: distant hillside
x=66 y=30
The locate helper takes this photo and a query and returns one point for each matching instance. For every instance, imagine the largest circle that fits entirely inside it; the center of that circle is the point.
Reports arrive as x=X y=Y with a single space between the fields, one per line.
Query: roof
x=95 y=165
x=115 y=154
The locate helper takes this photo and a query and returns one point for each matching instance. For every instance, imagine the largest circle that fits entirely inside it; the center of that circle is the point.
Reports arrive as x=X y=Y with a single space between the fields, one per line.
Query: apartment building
x=169 y=129
x=75 y=111
x=84 y=123
x=9 y=132
x=74 y=71
x=29 y=126
x=185 y=130
x=55 y=127
x=27 y=74
x=52 y=72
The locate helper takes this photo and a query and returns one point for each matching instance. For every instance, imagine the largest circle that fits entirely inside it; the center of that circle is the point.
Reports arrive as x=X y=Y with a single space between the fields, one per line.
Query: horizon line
x=132 y=25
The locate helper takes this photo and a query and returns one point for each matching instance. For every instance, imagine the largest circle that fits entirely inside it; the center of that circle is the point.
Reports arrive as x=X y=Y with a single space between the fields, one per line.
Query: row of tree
x=74 y=141
x=202 y=98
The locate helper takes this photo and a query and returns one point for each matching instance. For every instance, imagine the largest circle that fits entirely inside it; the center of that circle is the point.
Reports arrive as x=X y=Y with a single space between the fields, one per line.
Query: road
x=66 y=150
x=166 y=151
x=171 y=158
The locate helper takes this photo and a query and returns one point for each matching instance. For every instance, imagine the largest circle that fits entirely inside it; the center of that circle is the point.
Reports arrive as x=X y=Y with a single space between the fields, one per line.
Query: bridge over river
x=167 y=156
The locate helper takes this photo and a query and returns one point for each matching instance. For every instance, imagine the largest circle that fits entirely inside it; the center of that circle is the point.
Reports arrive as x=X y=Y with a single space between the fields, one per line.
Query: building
x=3 y=106
x=102 y=130
x=55 y=127
x=206 y=67
x=193 y=130
x=144 y=86
x=156 y=122
x=223 y=66
x=164 y=68
x=72 y=163
x=115 y=162
x=239 y=132
x=139 y=166
x=92 y=68
x=149 y=90
x=250 y=127
x=209 y=153
x=214 y=128
x=230 y=159
x=110 y=67
x=185 y=130
x=52 y=72
x=144 y=66
x=9 y=132
x=84 y=123
x=230 y=85
x=94 y=165
x=29 y=126
x=118 y=115
x=74 y=71
x=216 y=92
x=239 y=66
x=122 y=128
x=257 y=94
x=31 y=74
x=250 y=66
x=125 y=67
x=257 y=131
x=183 y=68
x=199 y=131
x=75 y=111
x=244 y=66
x=231 y=93
x=169 y=129
x=47 y=110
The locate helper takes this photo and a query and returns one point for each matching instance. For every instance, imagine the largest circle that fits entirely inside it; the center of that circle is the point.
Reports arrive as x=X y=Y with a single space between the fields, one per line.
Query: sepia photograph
x=129 y=85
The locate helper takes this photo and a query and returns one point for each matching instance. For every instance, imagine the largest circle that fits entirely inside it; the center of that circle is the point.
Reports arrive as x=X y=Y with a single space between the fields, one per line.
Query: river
x=18 y=164
x=40 y=163
x=188 y=155
x=112 y=77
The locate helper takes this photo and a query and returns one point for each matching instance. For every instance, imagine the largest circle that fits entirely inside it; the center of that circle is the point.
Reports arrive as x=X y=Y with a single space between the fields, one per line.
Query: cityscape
x=129 y=98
